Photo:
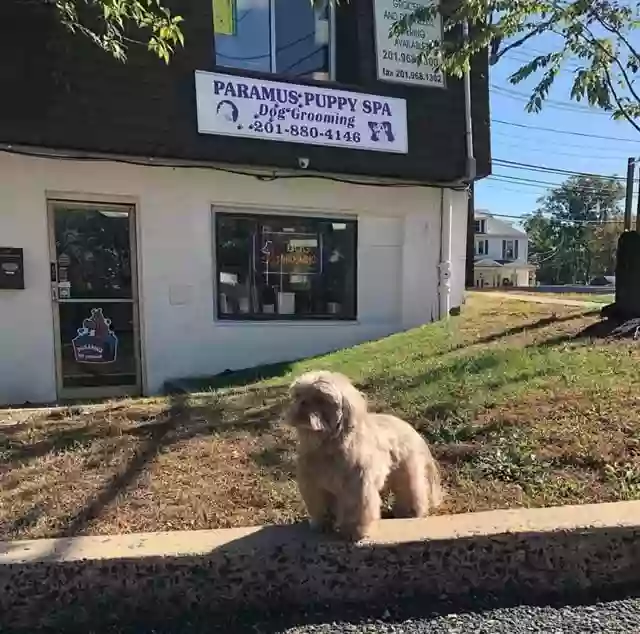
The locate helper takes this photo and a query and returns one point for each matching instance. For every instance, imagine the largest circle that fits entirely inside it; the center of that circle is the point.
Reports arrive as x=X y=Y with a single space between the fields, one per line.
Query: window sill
x=244 y=322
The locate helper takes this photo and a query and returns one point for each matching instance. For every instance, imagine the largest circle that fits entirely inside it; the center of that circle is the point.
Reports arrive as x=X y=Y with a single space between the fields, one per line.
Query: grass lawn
x=518 y=413
x=585 y=297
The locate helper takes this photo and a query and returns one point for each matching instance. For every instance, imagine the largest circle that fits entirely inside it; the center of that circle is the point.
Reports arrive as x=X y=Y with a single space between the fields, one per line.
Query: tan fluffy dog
x=348 y=457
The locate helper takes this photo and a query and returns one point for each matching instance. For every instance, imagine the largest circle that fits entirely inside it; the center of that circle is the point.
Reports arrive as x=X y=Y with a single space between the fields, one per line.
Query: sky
x=509 y=189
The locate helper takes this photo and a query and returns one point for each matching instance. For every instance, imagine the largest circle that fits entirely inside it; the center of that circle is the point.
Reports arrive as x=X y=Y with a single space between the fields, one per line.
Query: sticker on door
x=95 y=341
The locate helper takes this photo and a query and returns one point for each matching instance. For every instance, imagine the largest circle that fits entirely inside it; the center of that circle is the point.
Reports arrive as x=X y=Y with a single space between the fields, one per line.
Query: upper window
x=509 y=249
x=285 y=267
x=480 y=226
x=290 y=37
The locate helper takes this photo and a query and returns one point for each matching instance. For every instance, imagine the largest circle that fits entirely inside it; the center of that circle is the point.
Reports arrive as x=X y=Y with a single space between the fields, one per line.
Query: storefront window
x=290 y=37
x=284 y=267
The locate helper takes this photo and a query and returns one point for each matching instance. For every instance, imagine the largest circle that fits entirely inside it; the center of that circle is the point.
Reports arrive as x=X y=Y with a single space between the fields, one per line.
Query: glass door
x=94 y=293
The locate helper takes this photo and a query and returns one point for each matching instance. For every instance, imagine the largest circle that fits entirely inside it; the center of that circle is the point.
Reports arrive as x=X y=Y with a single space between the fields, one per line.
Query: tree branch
x=616 y=32
x=625 y=114
x=613 y=59
x=537 y=31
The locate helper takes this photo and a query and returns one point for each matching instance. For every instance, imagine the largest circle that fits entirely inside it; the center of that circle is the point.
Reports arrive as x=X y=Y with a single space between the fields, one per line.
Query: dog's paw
x=314 y=525
x=319 y=526
x=353 y=533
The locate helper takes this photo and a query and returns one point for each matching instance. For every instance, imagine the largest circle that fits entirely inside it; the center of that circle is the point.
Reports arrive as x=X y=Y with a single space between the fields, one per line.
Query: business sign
x=398 y=57
x=291 y=252
x=311 y=115
x=224 y=17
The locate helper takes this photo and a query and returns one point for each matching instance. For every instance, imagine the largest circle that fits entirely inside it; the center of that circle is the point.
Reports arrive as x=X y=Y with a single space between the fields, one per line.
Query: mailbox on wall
x=11 y=268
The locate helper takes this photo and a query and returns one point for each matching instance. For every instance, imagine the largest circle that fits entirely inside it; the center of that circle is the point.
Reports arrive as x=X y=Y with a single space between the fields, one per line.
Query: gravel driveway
x=612 y=617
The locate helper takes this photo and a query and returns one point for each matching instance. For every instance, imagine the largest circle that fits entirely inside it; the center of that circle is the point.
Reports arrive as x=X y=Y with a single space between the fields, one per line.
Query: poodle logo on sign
x=95 y=341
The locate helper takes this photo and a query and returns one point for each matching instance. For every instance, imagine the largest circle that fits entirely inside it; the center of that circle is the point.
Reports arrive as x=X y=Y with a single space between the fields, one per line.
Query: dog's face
x=323 y=402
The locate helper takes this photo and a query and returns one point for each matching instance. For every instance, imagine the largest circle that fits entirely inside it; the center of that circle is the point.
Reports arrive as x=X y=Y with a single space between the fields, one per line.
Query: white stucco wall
x=399 y=246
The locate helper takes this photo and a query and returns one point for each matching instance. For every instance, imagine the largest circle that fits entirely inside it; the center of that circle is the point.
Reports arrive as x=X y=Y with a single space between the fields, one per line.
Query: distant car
x=603 y=280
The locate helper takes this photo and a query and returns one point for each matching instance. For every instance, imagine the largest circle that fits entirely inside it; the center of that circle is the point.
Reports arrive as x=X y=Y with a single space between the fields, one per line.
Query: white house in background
x=501 y=253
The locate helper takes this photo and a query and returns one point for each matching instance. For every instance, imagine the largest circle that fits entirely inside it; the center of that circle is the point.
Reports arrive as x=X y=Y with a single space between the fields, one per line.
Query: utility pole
x=469 y=276
x=627 y=304
x=638 y=211
x=631 y=168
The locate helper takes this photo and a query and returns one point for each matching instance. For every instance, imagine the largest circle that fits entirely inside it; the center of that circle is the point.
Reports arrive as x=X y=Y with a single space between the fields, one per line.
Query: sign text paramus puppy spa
x=275 y=111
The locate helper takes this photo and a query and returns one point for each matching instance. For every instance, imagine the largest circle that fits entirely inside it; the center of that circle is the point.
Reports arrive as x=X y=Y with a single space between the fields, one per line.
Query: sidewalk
x=167 y=581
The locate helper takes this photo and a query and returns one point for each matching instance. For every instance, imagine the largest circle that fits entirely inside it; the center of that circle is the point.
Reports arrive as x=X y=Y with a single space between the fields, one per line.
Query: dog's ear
x=335 y=417
x=317 y=422
x=354 y=406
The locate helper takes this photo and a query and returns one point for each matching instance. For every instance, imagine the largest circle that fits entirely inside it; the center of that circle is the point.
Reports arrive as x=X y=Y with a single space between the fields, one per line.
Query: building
x=501 y=253
x=292 y=184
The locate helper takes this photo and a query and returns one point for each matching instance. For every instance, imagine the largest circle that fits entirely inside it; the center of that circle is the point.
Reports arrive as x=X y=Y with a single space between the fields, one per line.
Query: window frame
x=273 y=51
x=485 y=247
x=276 y=215
x=514 y=248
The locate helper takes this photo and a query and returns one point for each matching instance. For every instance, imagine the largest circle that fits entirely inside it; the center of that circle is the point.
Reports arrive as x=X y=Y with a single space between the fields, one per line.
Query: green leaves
x=593 y=40
x=573 y=234
x=114 y=25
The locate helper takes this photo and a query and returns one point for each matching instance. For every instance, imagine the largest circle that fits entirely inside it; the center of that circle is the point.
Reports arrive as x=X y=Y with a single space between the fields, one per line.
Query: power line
x=556 y=131
x=619 y=159
x=552 y=103
x=531 y=49
x=522 y=56
x=536 y=259
x=506 y=188
x=527 y=189
x=545 y=143
x=522 y=180
x=532 y=182
x=562 y=222
x=505 y=185
x=553 y=170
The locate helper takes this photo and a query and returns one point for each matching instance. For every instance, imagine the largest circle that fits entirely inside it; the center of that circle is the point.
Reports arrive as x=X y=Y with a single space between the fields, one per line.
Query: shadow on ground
x=103 y=433
x=236 y=378
x=280 y=577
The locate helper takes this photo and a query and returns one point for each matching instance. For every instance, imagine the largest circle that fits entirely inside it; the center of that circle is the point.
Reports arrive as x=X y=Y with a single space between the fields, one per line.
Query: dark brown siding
x=59 y=91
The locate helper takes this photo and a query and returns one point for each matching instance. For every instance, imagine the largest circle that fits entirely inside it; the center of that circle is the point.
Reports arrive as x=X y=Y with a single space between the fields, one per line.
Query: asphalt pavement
x=595 y=615
x=611 y=617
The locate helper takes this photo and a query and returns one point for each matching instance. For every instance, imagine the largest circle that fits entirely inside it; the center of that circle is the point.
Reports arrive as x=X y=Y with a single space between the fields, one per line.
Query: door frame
x=106 y=203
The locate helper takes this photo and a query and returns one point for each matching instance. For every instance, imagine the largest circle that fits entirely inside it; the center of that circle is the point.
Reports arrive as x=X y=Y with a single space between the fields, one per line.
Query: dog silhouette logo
x=381 y=131
x=95 y=341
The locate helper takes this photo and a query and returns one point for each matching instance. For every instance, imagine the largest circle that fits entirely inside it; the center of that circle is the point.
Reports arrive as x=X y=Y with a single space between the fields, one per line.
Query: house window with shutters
x=509 y=249
x=482 y=247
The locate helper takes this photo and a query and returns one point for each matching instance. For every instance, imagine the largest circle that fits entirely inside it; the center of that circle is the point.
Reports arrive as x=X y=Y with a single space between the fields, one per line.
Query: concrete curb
x=147 y=581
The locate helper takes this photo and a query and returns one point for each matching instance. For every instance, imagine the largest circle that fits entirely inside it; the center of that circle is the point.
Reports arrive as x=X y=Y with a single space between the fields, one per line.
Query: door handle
x=54 y=293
